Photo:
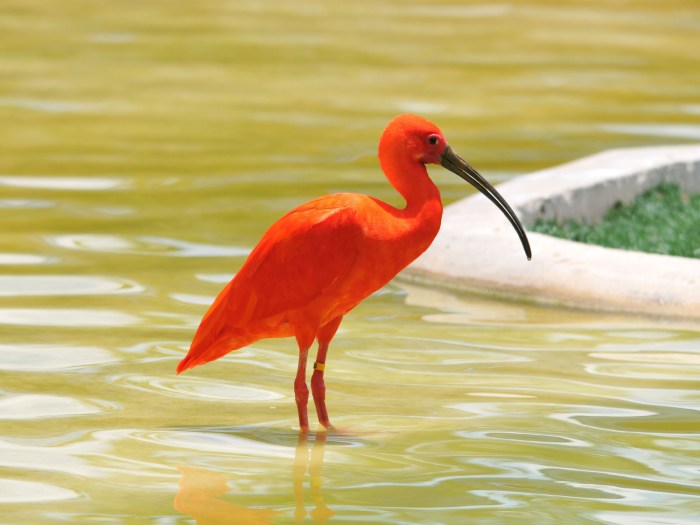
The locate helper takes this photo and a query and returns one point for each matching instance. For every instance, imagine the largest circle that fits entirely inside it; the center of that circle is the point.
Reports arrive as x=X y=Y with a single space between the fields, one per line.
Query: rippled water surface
x=145 y=148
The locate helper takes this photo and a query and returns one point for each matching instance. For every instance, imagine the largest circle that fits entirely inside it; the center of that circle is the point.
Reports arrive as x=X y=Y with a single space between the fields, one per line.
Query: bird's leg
x=301 y=391
x=318 y=386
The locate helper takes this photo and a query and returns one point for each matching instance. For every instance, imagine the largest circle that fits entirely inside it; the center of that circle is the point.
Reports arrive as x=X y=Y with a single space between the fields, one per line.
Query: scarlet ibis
x=321 y=259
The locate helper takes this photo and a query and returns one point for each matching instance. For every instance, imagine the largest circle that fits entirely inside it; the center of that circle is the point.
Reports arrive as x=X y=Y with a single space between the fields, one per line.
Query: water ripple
x=613 y=419
x=435 y=354
x=643 y=518
x=51 y=357
x=63 y=183
x=40 y=406
x=213 y=442
x=64 y=285
x=650 y=420
x=26 y=204
x=674 y=366
x=144 y=245
x=199 y=300
x=89 y=457
x=219 y=278
x=195 y=389
x=18 y=491
x=66 y=317
x=685 y=131
x=20 y=259
x=113 y=37
x=526 y=437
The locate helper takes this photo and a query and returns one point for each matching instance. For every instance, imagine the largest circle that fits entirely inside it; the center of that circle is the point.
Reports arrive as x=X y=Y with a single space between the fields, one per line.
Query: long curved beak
x=456 y=164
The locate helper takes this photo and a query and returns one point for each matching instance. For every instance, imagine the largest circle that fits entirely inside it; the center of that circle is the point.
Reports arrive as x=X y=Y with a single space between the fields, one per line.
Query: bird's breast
x=389 y=241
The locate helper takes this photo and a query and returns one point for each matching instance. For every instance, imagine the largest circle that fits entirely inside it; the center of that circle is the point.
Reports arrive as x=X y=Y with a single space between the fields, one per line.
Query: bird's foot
x=326 y=427
x=332 y=430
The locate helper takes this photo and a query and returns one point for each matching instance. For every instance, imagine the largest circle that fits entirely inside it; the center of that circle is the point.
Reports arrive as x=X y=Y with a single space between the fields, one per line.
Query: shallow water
x=147 y=145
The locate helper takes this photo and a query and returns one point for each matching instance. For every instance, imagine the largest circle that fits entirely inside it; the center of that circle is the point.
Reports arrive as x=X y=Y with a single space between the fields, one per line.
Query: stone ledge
x=477 y=249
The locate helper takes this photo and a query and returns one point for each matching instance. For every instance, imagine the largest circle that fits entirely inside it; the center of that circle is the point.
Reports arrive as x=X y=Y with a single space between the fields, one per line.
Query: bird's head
x=420 y=140
x=423 y=142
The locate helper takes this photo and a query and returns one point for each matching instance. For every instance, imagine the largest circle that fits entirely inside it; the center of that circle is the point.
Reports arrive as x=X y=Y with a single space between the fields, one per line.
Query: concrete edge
x=477 y=249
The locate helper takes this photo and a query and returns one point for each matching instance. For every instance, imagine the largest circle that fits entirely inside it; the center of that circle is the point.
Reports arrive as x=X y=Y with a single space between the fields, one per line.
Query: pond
x=145 y=148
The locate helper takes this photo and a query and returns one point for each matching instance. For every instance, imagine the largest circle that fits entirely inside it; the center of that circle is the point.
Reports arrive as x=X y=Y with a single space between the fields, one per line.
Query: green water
x=663 y=219
x=145 y=146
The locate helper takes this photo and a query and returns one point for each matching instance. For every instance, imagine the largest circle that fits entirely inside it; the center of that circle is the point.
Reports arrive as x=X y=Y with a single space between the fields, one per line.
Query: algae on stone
x=662 y=220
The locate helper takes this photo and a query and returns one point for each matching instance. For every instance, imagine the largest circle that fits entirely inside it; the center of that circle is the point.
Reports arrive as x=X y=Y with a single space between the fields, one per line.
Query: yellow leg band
x=319 y=366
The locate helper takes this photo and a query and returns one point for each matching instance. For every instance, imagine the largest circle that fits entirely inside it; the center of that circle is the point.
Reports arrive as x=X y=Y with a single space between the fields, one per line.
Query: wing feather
x=297 y=260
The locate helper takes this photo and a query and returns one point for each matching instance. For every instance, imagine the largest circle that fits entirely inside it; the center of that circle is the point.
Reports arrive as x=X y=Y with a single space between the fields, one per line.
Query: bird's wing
x=297 y=259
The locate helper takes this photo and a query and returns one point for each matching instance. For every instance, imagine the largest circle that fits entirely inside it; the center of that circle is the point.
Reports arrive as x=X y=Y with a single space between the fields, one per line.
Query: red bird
x=320 y=260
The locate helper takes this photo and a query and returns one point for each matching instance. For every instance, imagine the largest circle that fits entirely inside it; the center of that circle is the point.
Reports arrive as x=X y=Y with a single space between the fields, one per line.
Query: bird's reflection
x=201 y=490
x=311 y=460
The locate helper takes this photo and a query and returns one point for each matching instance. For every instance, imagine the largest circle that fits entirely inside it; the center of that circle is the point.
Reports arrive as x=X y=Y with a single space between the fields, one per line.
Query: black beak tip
x=526 y=244
x=457 y=165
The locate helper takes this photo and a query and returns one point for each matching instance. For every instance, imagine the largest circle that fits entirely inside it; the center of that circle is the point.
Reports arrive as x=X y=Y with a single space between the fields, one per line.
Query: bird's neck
x=417 y=224
x=410 y=178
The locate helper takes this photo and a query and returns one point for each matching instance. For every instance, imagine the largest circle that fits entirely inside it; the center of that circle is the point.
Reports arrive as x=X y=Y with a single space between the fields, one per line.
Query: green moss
x=662 y=220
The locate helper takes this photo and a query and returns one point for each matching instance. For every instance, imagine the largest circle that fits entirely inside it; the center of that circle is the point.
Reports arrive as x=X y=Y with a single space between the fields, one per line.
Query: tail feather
x=201 y=355
x=231 y=322
x=215 y=336
x=211 y=342
x=209 y=345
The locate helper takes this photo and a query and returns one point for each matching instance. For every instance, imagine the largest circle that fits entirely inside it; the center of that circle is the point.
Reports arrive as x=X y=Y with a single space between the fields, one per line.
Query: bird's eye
x=433 y=139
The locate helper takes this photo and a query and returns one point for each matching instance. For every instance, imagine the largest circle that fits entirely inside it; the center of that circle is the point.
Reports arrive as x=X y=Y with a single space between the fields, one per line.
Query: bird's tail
x=215 y=336
x=207 y=347
x=198 y=357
